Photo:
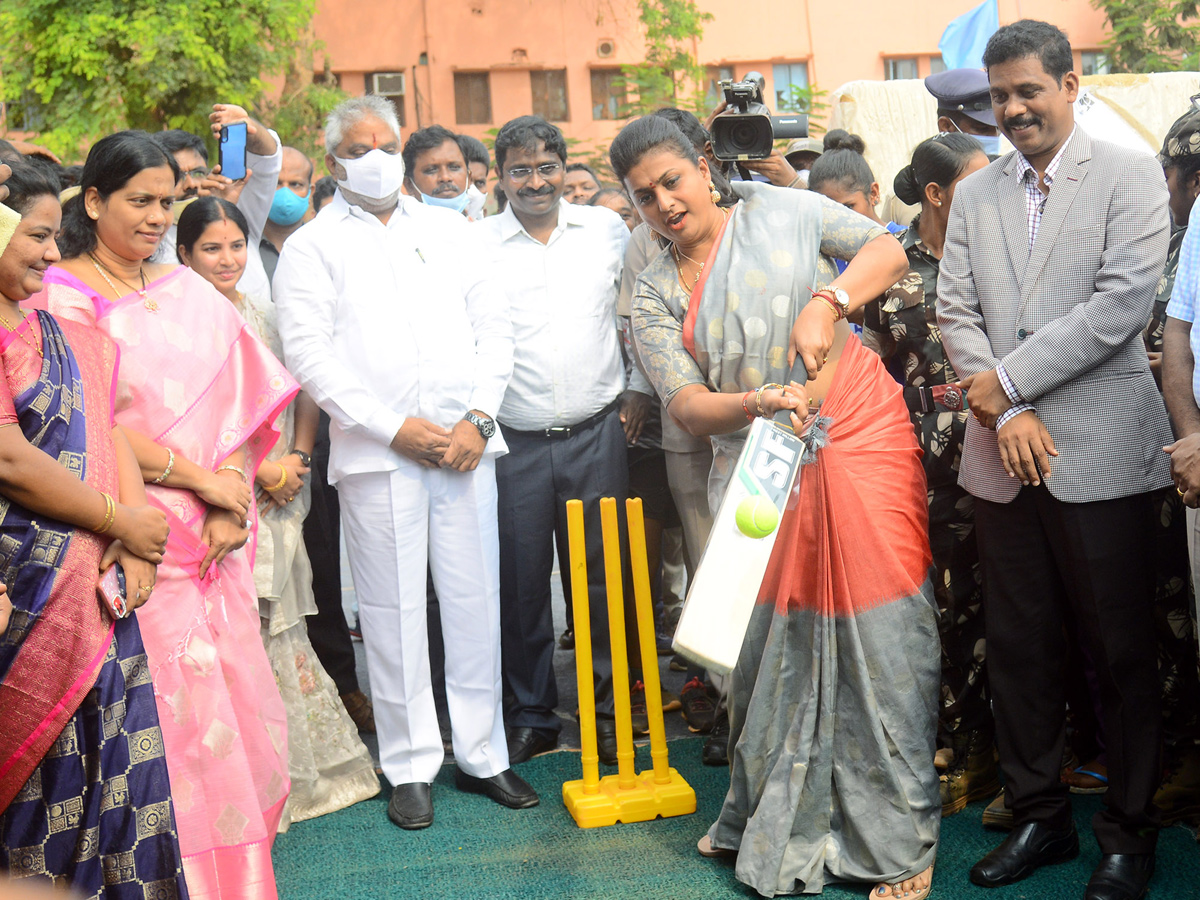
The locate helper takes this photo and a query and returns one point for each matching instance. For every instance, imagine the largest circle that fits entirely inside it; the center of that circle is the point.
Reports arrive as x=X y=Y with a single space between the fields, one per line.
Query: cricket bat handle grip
x=799 y=375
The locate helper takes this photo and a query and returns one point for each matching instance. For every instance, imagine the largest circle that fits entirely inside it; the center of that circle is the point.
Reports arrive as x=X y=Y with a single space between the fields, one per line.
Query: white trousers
x=394 y=523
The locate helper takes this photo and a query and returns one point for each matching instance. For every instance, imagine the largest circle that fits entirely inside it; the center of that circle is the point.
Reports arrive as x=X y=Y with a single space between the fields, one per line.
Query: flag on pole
x=963 y=40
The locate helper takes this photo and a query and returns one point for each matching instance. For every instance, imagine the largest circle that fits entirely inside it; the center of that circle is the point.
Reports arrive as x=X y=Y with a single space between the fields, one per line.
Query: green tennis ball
x=756 y=517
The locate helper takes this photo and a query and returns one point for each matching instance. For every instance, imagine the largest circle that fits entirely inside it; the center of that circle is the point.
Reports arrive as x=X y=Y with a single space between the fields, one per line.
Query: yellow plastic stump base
x=646 y=801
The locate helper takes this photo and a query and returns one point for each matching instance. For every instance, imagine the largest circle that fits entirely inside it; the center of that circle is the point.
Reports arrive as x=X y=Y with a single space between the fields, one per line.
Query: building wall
x=506 y=40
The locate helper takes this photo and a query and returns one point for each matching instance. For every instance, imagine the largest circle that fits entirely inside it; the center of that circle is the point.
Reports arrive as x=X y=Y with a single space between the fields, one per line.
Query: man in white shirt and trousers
x=389 y=326
x=561 y=418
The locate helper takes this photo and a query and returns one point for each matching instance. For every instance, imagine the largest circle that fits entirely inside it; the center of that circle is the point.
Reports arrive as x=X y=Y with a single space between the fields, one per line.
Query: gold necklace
x=679 y=270
x=679 y=266
x=4 y=321
x=147 y=300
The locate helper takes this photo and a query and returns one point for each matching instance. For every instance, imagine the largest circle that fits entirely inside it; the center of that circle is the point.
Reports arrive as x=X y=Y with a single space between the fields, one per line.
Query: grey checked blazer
x=1065 y=319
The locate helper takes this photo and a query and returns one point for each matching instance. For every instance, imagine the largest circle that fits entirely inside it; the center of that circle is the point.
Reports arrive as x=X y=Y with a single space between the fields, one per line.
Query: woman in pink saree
x=198 y=396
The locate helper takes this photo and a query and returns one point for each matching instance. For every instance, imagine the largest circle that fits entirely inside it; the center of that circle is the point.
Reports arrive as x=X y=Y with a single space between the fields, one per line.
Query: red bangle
x=745 y=408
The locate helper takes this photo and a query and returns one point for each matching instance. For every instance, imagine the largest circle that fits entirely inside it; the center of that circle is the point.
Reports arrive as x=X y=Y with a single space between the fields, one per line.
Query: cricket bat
x=725 y=586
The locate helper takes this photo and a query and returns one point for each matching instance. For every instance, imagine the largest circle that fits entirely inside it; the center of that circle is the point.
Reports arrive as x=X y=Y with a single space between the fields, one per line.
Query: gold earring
x=716 y=195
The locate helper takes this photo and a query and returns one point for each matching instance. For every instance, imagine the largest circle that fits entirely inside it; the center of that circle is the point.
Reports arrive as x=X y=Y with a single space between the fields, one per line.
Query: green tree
x=79 y=69
x=809 y=100
x=298 y=112
x=669 y=75
x=1151 y=35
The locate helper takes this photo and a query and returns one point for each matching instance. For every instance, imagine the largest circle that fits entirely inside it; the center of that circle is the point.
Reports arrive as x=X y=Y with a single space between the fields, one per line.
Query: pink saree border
x=248 y=864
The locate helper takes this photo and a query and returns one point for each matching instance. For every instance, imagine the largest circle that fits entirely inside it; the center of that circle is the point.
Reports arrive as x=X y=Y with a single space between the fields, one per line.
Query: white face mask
x=375 y=175
x=476 y=201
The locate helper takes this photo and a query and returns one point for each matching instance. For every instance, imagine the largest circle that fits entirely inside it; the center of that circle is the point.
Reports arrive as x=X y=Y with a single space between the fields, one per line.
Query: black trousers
x=327 y=630
x=1043 y=561
x=534 y=482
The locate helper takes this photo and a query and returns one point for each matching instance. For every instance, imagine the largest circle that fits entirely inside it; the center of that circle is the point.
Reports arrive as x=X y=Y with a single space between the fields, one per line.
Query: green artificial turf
x=476 y=849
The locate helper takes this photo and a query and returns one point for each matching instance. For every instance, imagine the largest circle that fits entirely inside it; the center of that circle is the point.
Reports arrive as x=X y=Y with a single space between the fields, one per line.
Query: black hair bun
x=906 y=188
x=840 y=139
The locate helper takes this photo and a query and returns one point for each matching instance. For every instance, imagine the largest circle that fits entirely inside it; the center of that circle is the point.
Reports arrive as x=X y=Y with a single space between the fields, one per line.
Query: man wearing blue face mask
x=965 y=105
x=436 y=169
x=288 y=208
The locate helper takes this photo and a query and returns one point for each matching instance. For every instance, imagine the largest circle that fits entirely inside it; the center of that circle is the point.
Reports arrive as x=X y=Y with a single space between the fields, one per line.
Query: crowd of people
x=983 y=574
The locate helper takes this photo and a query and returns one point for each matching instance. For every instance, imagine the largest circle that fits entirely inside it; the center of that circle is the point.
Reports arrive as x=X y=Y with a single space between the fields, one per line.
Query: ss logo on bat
x=774 y=459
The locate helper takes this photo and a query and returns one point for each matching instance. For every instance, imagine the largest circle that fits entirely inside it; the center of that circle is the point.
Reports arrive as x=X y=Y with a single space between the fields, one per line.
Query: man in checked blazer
x=1052 y=258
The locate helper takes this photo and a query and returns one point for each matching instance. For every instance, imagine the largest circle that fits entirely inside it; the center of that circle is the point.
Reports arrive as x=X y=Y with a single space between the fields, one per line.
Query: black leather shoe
x=1027 y=848
x=566 y=640
x=524 y=743
x=1121 y=876
x=716 y=748
x=507 y=788
x=606 y=740
x=411 y=806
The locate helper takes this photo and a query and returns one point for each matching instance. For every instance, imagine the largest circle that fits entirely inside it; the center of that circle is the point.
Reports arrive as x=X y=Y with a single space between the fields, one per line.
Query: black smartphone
x=233 y=151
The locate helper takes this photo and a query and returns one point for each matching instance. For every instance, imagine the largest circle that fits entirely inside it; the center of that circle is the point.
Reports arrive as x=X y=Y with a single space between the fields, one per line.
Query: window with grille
x=608 y=93
x=790 y=78
x=472 y=98
x=900 y=68
x=549 y=89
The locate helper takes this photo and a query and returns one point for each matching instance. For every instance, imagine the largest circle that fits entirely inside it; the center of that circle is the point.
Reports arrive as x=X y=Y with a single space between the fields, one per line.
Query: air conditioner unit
x=606 y=48
x=388 y=83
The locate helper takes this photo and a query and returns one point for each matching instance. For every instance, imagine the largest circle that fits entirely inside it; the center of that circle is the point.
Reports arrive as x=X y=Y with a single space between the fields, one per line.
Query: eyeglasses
x=518 y=174
x=198 y=174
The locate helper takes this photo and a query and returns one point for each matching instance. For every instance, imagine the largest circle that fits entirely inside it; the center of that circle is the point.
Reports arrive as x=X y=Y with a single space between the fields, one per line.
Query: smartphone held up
x=233 y=151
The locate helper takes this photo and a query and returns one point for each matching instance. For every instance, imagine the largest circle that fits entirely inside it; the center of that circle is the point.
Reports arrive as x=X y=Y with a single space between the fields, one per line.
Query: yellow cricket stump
x=627 y=796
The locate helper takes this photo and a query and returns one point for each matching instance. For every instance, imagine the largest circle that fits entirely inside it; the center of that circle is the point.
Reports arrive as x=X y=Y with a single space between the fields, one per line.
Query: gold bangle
x=758 y=396
x=241 y=472
x=110 y=513
x=167 y=471
x=838 y=315
x=282 y=480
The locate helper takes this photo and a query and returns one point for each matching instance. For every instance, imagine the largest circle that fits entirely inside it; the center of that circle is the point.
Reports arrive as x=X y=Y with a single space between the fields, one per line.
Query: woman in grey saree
x=833 y=702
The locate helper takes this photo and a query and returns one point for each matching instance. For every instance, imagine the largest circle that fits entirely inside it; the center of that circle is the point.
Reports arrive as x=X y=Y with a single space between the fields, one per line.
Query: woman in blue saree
x=84 y=794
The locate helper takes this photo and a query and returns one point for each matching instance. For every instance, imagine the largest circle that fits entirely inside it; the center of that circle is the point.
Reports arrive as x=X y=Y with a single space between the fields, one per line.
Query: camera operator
x=753 y=135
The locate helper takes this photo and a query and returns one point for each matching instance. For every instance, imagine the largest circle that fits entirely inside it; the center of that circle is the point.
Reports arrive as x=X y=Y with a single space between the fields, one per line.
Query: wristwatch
x=841 y=298
x=486 y=426
x=305 y=459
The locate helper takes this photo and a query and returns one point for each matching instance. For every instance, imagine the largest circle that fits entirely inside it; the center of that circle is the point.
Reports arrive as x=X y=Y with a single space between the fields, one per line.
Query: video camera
x=747 y=130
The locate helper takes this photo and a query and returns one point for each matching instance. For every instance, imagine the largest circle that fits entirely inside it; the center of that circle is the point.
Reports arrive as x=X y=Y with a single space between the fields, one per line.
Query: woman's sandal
x=890 y=891
x=708 y=851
